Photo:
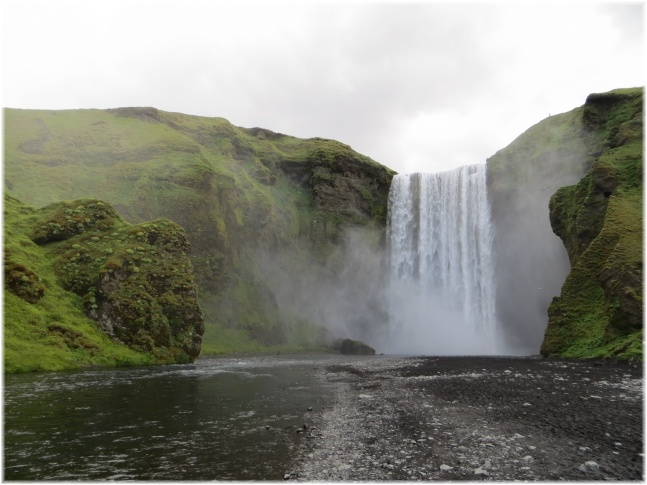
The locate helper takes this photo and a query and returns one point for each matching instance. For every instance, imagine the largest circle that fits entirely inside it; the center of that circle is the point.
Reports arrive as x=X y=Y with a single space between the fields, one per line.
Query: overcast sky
x=419 y=87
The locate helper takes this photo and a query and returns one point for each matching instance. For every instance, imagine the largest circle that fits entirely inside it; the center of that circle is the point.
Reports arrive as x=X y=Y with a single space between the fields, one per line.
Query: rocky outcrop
x=599 y=312
x=22 y=281
x=352 y=347
x=136 y=281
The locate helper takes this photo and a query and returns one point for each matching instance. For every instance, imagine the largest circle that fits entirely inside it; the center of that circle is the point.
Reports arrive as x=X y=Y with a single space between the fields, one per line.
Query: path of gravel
x=475 y=418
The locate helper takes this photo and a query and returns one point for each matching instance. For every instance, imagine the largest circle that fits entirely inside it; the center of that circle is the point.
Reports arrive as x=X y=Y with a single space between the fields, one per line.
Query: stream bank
x=472 y=418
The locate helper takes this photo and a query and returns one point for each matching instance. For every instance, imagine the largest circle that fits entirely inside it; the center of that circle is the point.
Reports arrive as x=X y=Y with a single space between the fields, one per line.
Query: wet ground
x=475 y=418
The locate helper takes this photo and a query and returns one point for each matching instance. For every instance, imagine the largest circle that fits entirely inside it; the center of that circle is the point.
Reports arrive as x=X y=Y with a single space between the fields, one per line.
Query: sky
x=423 y=86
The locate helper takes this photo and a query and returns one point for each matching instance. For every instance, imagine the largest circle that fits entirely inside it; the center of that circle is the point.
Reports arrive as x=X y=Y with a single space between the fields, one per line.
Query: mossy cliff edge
x=590 y=158
x=600 y=220
x=241 y=195
x=82 y=287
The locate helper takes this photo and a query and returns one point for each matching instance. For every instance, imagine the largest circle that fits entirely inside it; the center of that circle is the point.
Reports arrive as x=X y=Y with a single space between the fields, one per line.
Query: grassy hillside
x=233 y=190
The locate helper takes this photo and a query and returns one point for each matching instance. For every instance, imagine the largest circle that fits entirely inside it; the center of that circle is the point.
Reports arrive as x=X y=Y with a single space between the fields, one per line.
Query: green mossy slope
x=600 y=220
x=233 y=190
x=590 y=158
x=82 y=288
x=530 y=261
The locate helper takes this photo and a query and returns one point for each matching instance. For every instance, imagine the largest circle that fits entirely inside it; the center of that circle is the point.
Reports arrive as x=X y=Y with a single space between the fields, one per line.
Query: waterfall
x=442 y=294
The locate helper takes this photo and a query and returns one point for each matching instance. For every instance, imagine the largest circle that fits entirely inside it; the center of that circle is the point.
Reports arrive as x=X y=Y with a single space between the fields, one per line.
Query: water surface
x=204 y=421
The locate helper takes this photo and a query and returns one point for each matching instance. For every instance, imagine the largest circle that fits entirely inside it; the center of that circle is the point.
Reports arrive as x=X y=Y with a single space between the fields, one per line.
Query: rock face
x=600 y=309
x=135 y=281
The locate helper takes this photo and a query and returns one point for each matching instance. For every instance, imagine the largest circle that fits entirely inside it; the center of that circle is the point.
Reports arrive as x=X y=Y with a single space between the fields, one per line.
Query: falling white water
x=441 y=299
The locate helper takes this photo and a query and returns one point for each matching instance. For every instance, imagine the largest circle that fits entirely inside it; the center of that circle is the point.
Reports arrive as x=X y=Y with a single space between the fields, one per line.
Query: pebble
x=467 y=447
x=589 y=466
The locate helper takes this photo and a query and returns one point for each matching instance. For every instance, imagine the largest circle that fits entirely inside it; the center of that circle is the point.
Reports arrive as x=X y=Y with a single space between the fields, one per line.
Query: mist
x=423 y=324
x=530 y=261
x=345 y=292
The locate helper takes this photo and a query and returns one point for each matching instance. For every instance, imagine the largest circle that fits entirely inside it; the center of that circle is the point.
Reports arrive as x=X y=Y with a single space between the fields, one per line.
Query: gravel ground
x=475 y=418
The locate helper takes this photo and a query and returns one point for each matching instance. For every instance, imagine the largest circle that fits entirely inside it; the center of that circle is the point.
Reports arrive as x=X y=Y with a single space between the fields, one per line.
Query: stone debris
x=422 y=414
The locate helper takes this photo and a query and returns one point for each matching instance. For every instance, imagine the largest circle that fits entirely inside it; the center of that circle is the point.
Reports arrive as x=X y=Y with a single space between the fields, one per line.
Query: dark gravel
x=475 y=418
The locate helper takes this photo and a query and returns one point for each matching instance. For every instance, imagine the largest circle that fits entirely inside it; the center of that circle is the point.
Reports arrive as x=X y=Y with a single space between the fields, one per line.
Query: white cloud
x=418 y=87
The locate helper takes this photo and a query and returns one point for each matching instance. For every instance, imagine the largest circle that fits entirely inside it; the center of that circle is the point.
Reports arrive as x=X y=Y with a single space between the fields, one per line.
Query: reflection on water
x=205 y=421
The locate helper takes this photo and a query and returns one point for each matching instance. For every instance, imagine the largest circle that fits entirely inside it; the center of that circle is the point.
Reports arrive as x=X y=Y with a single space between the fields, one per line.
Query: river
x=220 y=418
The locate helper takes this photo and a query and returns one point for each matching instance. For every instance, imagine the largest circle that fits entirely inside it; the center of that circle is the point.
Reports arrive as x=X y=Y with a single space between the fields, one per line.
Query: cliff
x=248 y=199
x=600 y=309
x=82 y=287
x=590 y=158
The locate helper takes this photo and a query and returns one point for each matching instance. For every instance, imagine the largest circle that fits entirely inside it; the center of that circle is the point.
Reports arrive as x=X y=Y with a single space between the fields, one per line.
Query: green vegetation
x=234 y=191
x=94 y=267
x=45 y=327
x=600 y=220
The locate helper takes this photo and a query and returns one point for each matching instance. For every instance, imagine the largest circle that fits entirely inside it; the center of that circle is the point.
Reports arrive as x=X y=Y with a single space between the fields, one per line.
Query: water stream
x=204 y=421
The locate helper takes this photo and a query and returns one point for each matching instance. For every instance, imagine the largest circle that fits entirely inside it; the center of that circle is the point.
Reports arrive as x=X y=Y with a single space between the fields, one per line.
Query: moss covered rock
x=135 y=281
x=22 y=281
x=352 y=347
